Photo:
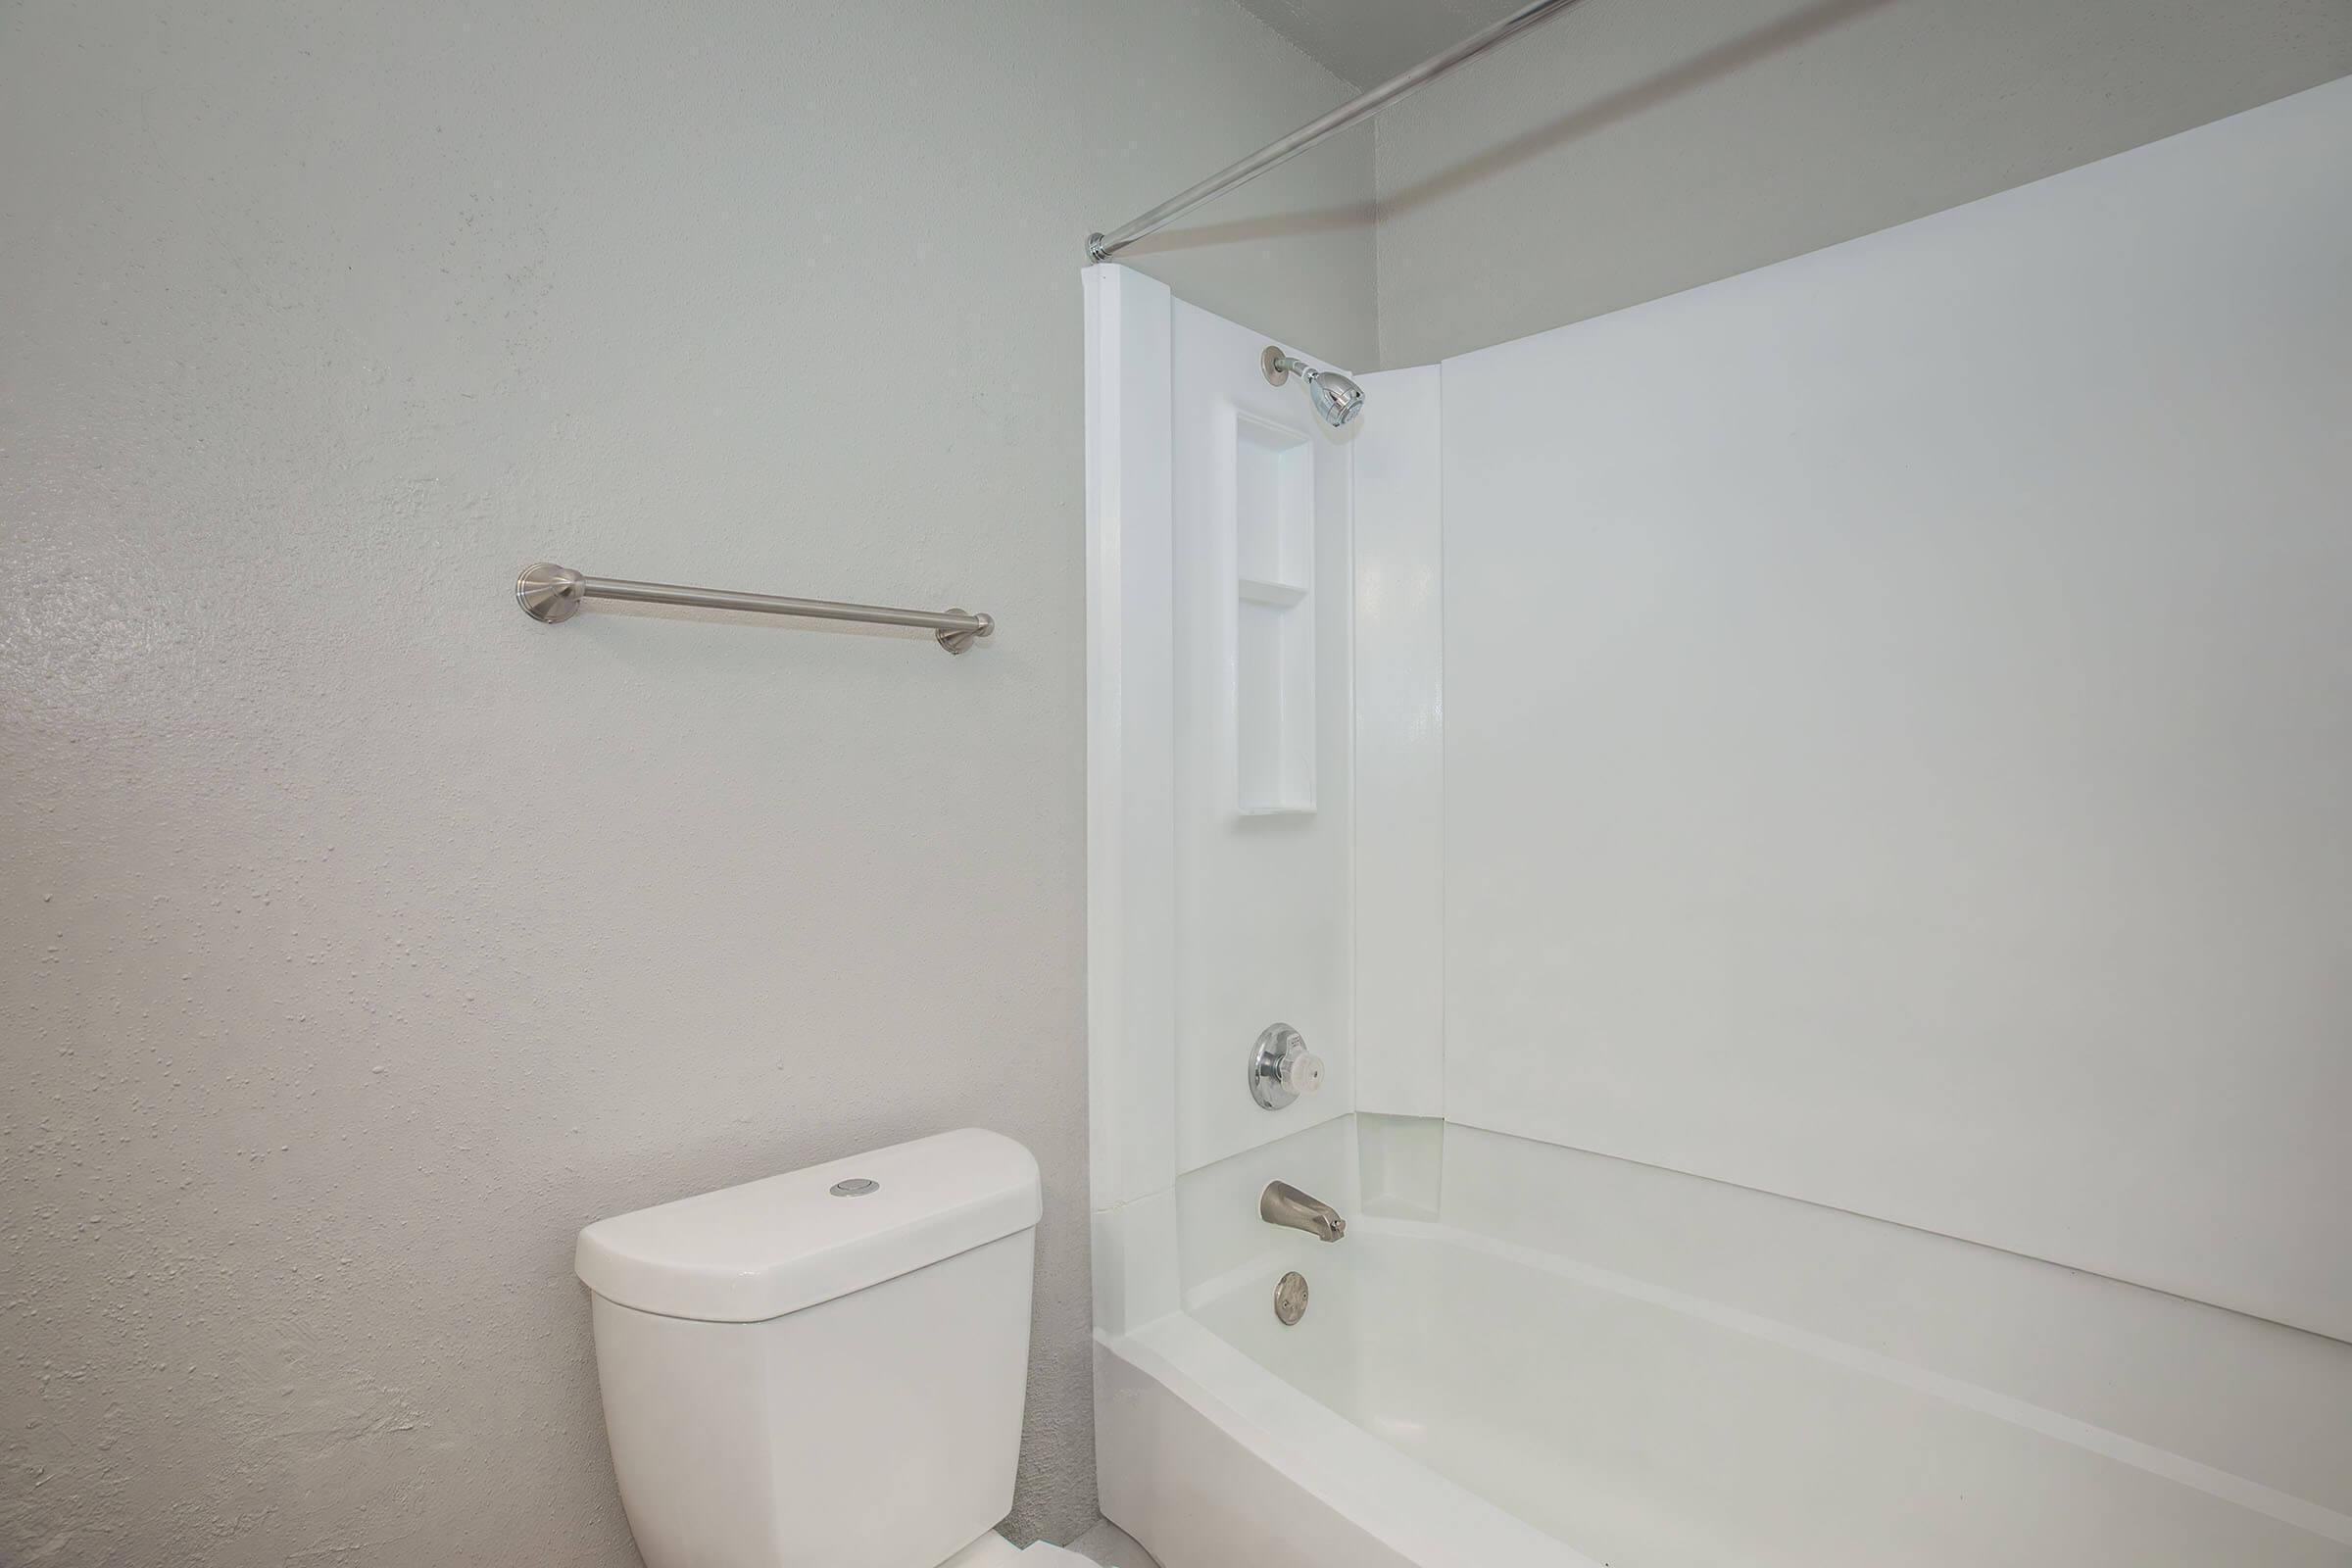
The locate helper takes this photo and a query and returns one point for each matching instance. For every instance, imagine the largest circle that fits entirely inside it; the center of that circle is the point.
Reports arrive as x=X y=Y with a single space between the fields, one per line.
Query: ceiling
x=1368 y=41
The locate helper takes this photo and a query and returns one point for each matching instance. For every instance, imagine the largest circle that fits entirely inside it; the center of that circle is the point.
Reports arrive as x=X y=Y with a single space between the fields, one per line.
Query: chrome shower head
x=1334 y=396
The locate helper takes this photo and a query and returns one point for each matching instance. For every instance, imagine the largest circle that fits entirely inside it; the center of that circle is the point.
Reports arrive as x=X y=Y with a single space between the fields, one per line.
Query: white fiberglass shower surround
x=1808 y=821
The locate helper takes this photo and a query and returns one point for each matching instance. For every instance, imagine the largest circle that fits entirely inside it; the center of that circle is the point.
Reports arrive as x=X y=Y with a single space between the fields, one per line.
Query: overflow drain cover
x=1290 y=1298
x=856 y=1187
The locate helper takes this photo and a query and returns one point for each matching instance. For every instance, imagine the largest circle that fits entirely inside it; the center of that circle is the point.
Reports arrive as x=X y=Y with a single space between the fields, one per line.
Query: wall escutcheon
x=1282 y=1068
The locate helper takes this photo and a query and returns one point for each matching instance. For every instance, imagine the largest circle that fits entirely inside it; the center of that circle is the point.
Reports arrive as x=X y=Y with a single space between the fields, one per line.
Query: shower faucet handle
x=1282 y=1068
x=1301 y=1072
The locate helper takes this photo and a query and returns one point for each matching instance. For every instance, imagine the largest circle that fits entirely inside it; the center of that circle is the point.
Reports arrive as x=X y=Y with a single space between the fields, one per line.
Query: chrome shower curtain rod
x=1102 y=247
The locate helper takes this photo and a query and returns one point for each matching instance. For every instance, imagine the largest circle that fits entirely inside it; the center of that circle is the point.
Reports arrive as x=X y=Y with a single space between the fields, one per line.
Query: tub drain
x=1289 y=1297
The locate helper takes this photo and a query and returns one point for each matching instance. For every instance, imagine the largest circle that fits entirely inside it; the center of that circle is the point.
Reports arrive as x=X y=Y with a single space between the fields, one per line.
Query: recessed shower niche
x=1274 y=622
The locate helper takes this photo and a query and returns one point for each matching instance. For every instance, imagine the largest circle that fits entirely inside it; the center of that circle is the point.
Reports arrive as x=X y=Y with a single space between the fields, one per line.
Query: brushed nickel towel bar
x=552 y=594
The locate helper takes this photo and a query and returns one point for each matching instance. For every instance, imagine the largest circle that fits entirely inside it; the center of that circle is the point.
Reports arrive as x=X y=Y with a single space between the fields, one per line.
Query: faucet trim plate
x=1282 y=1068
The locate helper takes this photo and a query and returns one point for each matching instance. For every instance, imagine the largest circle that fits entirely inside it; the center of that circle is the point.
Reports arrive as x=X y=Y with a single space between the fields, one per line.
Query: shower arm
x=1102 y=247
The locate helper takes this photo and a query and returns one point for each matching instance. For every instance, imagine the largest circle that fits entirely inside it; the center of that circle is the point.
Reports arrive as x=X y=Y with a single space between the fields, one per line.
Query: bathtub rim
x=1290 y=1468
x=1317 y=1459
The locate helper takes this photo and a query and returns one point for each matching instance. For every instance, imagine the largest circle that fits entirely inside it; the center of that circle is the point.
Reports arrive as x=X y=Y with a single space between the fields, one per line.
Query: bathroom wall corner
x=1399 y=747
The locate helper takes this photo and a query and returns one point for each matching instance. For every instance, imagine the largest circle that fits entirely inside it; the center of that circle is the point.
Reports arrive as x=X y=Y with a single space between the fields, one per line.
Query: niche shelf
x=1274 y=620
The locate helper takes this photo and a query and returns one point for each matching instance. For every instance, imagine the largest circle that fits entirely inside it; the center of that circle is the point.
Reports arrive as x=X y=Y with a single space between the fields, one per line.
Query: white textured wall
x=1630 y=149
x=363 y=939
x=1899 y=723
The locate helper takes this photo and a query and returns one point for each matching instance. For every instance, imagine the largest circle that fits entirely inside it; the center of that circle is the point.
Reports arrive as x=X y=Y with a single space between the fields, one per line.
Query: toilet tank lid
x=767 y=1248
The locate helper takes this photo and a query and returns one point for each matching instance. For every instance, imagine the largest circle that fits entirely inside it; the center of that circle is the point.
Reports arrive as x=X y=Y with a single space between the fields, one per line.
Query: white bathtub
x=1458 y=1398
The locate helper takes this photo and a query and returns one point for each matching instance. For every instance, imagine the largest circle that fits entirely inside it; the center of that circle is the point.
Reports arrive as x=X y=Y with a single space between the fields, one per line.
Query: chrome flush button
x=856 y=1187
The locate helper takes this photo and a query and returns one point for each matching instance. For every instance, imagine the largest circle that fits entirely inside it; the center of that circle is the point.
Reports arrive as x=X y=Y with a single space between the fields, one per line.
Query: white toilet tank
x=824 y=1369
